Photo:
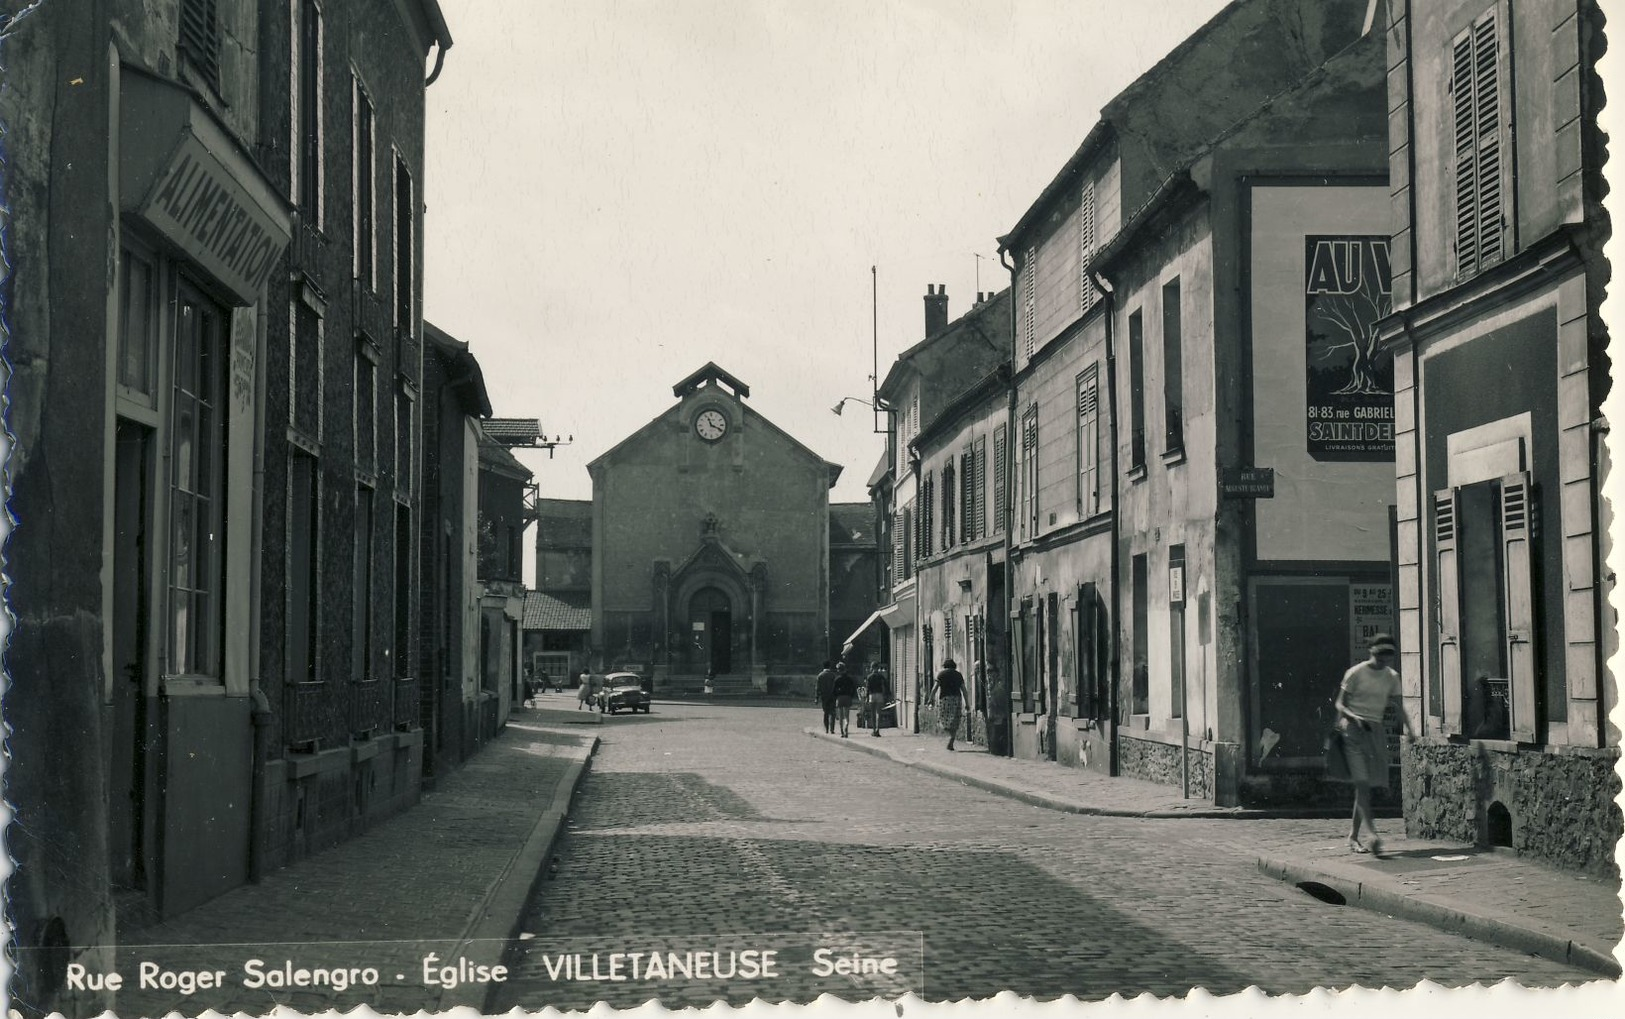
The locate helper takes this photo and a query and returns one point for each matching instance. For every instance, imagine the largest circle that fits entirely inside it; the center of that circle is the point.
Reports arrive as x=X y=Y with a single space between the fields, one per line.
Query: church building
x=711 y=546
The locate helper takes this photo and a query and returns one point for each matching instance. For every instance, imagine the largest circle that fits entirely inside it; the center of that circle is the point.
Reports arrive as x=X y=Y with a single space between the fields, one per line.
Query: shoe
x=950 y=746
x=875 y=734
x=1356 y=847
x=1376 y=849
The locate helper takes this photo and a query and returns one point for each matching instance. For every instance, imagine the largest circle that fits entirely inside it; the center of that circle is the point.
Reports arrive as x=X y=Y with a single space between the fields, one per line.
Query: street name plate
x=1247 y=483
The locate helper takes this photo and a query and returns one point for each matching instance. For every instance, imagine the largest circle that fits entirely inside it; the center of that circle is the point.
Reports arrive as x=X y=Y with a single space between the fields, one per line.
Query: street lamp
x=878 y=405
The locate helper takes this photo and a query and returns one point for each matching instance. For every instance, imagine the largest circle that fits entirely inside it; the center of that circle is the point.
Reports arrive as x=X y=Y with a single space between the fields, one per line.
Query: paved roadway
x=725 y=828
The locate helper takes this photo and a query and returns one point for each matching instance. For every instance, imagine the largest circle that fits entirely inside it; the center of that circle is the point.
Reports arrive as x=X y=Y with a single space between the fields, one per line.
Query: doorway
x=710 y=623
x=126 y=763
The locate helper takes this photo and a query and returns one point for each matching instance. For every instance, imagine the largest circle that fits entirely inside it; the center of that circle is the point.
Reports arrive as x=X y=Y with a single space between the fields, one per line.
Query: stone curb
x=499 y=916
x=559 y=716
x=1049 y=802
x=1445 y=915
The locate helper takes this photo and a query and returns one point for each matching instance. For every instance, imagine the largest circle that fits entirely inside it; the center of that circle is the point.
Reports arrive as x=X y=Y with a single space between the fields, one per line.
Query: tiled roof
x=512 y=431
x=851 y=523
x=563 y=611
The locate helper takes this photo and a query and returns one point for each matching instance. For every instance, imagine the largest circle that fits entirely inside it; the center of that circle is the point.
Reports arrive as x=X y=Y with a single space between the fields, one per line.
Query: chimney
x=936 y=308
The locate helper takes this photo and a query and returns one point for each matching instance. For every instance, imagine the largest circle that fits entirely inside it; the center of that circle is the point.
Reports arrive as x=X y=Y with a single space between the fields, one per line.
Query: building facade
x=155 y=482
x=505 y=488
x=711 y=545
x=1178 y=334
x=1500 y=364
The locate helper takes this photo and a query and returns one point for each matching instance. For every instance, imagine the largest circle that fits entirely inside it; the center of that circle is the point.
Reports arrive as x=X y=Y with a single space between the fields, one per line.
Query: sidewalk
x=450 y=876
x=1488 y=895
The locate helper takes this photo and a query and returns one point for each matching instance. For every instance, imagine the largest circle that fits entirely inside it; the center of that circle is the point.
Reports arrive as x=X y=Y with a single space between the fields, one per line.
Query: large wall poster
x=1349 y=381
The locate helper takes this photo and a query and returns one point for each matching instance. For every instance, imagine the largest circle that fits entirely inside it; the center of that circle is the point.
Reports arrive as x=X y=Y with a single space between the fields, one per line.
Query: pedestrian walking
x=1367 y=689
x=584 y=694
x=710 y=683
x=826 y=696
x=846 y=688
x=876 y=684
x=950 y=698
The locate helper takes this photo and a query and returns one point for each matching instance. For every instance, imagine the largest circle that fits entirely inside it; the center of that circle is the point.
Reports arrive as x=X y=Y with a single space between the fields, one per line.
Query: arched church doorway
x=710 y=627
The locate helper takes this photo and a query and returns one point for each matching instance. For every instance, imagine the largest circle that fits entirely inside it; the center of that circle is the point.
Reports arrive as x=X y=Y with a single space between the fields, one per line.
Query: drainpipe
x=1104 y=285
x=1009 y=523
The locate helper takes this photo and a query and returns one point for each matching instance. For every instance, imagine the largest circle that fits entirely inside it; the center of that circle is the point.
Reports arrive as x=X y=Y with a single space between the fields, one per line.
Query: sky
x=618 y=192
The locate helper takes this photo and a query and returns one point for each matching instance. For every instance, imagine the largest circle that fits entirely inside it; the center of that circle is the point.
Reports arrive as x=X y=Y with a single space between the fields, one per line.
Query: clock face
x=711 y=425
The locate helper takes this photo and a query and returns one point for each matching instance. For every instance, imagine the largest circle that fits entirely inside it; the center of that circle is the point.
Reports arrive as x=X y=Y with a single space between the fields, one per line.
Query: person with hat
x=1367 y=689
x=950 y=698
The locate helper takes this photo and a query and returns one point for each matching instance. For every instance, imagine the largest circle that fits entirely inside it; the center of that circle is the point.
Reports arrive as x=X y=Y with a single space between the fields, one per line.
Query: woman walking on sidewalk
x=1367 y=690
x=950 y=698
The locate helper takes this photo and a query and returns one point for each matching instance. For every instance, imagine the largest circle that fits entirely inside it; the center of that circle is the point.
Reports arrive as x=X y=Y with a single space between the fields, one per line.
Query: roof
x=563 y=611
x=463 y=372
x=710 y=373
x=497 y=458
x=995 y=309
x=852 y=523
x=513 y=431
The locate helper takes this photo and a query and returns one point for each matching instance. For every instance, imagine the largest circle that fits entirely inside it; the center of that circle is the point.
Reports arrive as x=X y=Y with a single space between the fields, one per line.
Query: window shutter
x=967 y=495
x=200 y=38
x=1086 y=623
x=898 y=546
x=1088 y=441
x=1520 y=618
x=948 y=505
x=1001 y=471
x=1482 y=139
x=1087 y=294
x=1449 y=594
x=981 y=487
x=1029 y=302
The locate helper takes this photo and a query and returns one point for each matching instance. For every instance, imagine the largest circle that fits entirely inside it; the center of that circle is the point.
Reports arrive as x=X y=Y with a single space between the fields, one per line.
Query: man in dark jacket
x=826 y=696
x=876 y=683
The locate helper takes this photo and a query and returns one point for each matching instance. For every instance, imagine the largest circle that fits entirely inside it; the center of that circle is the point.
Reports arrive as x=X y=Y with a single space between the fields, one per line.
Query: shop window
x=1484 y=567
x=1481 y=129
x=1173 y=382
x=1088 y=383
x=138 y=325
x=197 y=492
x=1136 y=391
x=304 y=569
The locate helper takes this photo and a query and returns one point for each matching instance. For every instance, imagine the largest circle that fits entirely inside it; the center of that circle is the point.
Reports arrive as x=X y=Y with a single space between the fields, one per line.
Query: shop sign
x=197 y=204
x=1349 y=378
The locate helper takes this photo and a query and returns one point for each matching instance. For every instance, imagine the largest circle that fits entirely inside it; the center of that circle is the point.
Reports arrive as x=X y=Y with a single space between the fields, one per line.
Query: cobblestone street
x=704 y=828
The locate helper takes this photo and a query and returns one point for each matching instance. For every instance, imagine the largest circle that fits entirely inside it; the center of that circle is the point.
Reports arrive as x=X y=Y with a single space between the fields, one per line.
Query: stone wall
x=1560 y=806
x=1160 y=762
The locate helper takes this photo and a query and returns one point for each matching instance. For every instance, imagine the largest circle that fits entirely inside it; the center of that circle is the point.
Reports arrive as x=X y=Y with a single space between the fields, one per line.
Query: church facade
x=711 y=545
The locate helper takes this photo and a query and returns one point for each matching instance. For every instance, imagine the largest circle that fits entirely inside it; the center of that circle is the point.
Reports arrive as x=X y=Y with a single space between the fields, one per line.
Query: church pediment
x=713 y=556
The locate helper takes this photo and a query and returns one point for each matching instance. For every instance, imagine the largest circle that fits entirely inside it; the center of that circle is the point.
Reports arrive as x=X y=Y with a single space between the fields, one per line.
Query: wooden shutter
x=1481 y=135
x=1087 y=294
x=1086 y=624
x=1018 y=652
x=1089 y=442
x=1001 y=477
x=1029 y=470
x=981 y=487
x=1516 y=543
x=948 y=503
x=967 y=495
x=1445 y=516
x=1029 y=302
x=899 y=545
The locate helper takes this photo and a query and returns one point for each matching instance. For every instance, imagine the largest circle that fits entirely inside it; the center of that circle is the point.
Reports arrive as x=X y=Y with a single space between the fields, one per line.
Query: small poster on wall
x=1371 y=611
x=1350 y=381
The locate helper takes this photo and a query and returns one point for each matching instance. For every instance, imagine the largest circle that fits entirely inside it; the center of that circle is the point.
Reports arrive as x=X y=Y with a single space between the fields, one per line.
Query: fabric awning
x=876 y=614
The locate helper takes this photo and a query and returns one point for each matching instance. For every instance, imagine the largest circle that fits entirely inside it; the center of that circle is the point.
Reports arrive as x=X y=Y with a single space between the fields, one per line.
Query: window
x=1029 y=302
x=197 y=495
x=1089 y=441
x=304 y=569
x=907 y=543
x=366 y=408
x=928 y=492
x=948 y=504
x=305 y=371
x=1001 y=477
x=403 y=593
x=361 y=639
x=980 y=484
x=1136 y=391
x=1141 y=681
x=1173 y=383
x=200 y=39
x=138 y=324
x=403 y=442
x=1029 y=473
x=363 y=171
x=1089 y=645
x=1485 y=572
x=1482 y=131
x=405 y=249
x=308 y=105
x=899 y=546
x=1087 y=294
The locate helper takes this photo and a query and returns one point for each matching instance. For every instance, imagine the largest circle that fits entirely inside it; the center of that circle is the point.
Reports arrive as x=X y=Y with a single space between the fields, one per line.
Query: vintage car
x=623 y=690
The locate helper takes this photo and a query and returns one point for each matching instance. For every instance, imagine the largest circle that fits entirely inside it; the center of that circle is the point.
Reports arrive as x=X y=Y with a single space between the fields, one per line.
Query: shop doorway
x=126 y=763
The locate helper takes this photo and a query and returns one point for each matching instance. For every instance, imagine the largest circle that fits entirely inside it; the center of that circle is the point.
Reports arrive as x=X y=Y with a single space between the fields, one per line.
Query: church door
x=710 y=621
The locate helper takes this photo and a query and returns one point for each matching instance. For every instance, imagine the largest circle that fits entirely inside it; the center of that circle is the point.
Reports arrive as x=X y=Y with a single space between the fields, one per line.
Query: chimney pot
x=936 y=308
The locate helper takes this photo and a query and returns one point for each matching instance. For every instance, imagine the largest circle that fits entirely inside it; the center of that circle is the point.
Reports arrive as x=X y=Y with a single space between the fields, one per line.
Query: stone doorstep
x=1365 y=889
